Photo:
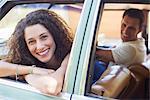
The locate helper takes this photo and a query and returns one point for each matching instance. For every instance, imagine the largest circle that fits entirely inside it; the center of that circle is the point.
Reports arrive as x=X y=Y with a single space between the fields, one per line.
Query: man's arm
x=105 y=55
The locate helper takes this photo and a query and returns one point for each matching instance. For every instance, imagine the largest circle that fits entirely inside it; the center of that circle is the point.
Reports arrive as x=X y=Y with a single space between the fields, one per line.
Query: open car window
x=107 y=33
x=69 y=12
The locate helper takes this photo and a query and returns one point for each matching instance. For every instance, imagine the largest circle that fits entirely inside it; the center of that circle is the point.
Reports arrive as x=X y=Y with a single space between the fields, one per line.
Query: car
x=94 y=22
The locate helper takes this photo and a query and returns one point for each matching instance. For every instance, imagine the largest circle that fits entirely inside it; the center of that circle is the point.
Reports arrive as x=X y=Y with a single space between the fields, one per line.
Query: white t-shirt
x=131 y=52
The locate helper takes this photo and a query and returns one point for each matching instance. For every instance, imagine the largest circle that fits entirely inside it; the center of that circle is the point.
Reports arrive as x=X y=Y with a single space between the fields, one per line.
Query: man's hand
x=104 y=55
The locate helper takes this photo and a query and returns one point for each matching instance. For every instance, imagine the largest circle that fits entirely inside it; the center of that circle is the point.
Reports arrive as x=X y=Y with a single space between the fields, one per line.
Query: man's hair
x=135 y=13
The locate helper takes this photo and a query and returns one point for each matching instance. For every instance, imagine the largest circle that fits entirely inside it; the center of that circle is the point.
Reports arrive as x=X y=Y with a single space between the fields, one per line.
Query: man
x=132 y=49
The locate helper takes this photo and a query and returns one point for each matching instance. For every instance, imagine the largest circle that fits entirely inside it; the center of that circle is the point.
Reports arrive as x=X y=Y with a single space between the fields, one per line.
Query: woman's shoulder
x=65 y=60
x=67 y=57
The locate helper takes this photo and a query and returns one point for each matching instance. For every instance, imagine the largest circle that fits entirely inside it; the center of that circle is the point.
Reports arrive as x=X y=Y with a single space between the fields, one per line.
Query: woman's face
x=40 y=42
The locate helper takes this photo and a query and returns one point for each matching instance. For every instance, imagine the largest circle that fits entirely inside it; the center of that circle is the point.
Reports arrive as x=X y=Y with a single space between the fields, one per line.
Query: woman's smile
x=43 y=53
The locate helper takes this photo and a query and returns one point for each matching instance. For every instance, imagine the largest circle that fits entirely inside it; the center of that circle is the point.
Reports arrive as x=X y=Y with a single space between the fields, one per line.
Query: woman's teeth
x=43 y=53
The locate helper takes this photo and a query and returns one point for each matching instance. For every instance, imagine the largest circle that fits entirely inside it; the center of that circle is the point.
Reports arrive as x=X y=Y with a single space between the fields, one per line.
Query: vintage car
x=94 y=23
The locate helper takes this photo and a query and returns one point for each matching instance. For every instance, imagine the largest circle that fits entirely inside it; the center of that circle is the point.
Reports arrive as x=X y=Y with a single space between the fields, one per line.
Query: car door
x=92 y=11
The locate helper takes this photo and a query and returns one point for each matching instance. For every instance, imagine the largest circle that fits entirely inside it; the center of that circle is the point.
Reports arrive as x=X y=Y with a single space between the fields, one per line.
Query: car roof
x=6 y=5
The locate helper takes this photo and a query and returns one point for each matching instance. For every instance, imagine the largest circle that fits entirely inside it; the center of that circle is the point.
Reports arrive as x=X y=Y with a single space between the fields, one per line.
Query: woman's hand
x=49 y=84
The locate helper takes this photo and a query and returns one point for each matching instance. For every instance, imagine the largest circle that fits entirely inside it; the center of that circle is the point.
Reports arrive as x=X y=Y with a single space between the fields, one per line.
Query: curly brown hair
x=58 y=28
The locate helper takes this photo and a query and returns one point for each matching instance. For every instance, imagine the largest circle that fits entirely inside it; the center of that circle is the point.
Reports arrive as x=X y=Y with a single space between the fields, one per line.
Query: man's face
x=130 y=27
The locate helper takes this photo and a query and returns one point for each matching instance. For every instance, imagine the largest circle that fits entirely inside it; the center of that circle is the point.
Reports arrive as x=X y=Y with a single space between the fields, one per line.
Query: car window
x=108 y=31
x=69 y=12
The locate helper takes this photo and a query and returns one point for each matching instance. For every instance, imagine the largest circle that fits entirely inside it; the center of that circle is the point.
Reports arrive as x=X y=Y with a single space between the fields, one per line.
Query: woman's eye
x=44 y=37
x=31 y=42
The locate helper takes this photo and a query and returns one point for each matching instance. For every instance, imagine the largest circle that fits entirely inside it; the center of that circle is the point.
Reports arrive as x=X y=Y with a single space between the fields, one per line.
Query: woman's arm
x=8 y=69
x=52 y=83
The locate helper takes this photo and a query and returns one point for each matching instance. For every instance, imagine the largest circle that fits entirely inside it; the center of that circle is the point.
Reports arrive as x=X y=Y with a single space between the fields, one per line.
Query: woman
x=41 y=39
